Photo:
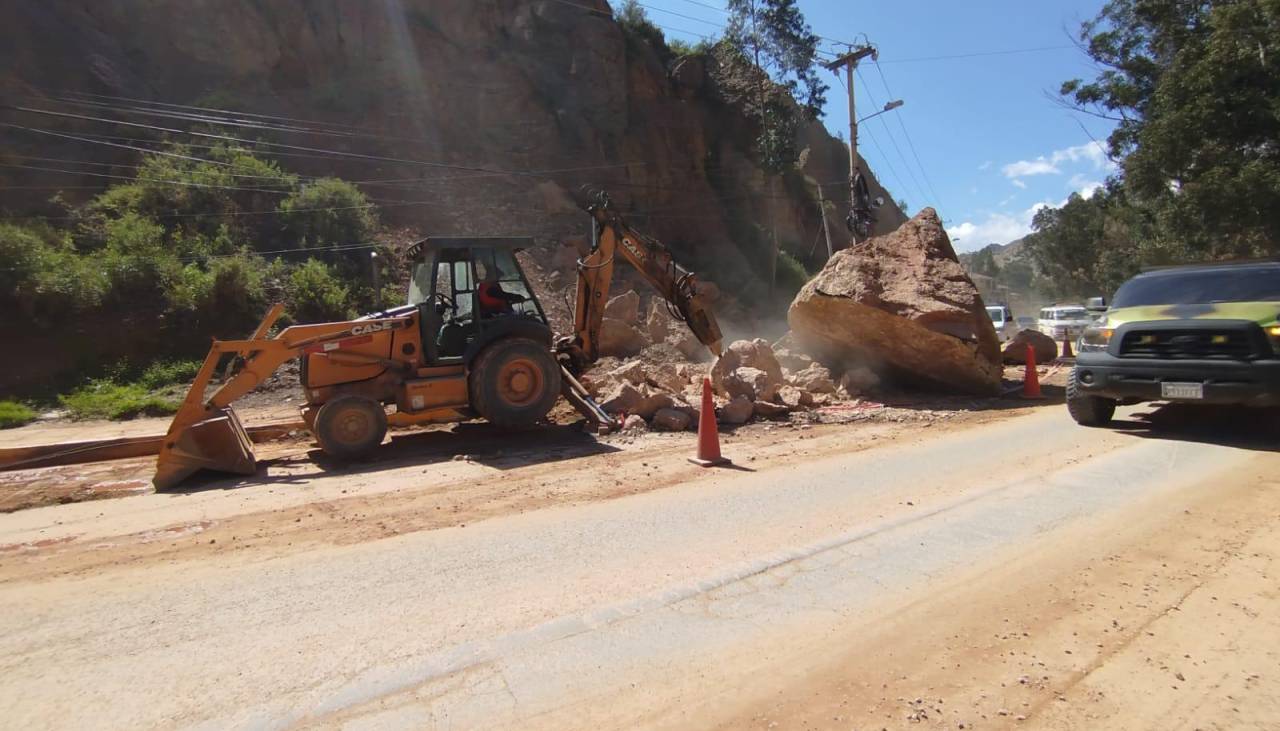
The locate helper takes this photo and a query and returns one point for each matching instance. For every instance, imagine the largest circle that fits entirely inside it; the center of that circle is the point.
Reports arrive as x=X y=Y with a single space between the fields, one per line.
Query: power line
x=892 y=139
x=976 y=54
x=888 y=163
x=923 y=171
x=303 y=148
x=185 y=183
x=705 y=5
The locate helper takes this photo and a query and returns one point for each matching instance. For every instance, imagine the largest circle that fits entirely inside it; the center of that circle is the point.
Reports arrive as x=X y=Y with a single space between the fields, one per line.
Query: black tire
x=350 y=427
x=1088 y=410
x=514 y=382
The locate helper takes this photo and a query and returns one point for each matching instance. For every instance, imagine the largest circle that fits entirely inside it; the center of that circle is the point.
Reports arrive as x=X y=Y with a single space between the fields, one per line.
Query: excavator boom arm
x=615 y=238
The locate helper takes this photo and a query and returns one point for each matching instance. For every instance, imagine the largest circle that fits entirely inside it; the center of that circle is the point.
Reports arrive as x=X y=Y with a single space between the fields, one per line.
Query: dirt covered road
x=995 y=569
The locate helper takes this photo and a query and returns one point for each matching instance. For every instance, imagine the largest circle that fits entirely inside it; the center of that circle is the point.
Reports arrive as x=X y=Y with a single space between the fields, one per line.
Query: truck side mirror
x=1096 y=304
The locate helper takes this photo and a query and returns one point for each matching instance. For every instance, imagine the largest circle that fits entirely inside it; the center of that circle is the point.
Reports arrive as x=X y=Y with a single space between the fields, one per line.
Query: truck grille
x=1188 y=344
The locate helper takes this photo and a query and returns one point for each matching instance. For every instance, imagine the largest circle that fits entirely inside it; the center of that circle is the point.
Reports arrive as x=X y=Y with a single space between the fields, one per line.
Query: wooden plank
x=100 y=450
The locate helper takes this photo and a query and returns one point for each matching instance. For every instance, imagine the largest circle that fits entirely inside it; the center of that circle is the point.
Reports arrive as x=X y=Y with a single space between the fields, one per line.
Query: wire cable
x=911 y=144
x=892 y=139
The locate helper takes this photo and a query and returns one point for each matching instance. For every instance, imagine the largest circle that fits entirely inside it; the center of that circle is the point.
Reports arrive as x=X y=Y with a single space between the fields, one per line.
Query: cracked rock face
x=902 y=304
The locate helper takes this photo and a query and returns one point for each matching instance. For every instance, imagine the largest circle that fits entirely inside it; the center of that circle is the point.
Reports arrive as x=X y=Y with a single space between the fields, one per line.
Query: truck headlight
x=1094 y=339
x=1273 y=334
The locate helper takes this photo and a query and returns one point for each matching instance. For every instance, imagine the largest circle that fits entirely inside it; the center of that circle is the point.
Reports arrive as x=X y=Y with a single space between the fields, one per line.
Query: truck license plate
x=1182 y=390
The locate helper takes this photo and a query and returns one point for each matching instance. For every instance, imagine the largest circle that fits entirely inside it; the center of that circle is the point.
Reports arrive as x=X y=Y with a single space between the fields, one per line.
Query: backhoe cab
x=472 y=341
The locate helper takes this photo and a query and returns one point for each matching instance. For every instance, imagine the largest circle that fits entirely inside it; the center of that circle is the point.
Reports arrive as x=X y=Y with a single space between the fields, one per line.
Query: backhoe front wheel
x=350 y=427
x=514 y=383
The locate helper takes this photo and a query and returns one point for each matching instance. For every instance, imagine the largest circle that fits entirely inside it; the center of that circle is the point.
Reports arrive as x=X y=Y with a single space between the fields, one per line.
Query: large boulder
x=902 y=303
x=1015 y=351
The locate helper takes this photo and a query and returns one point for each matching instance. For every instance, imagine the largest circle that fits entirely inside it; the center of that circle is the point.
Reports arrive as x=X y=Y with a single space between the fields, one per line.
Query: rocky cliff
x=555 y=90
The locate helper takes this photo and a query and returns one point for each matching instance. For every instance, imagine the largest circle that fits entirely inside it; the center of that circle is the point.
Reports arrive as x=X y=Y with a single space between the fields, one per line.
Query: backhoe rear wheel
x=514 y=382
x=350 y=427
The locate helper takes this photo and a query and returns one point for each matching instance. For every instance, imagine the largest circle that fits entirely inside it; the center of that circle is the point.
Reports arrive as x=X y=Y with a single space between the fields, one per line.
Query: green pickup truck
x=1206 y=334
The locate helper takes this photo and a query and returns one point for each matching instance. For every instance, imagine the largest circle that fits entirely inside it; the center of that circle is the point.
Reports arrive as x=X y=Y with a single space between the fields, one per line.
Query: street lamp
x=887 y=108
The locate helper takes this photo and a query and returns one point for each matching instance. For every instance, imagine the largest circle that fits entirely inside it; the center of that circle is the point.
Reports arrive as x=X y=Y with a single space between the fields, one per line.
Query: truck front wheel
x=1085 y=409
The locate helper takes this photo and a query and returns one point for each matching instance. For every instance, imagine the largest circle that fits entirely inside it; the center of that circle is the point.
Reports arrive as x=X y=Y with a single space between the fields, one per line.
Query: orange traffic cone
x=708 y=435
x=1066 y=346
x=1031 y=379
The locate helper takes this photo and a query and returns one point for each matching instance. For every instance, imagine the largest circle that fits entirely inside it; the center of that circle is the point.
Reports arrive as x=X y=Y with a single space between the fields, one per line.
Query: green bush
x=684 y=48
x=327 y=212
x=103 y=399
x=43 y=277
x=13 y=414
x=316 y=295
x=639 y=31
x=168 y=372
x=225 y=300
x=791 y=274
x=168 y=256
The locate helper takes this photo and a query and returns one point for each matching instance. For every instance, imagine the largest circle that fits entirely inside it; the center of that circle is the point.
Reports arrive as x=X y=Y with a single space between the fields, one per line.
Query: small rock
x=659 y=322
x=619 y=338
x=634 y=423
x=737 y=411
x=671 y=419
x=770 y=410
x=859 y=380
x=814 y=379
x=632 y=371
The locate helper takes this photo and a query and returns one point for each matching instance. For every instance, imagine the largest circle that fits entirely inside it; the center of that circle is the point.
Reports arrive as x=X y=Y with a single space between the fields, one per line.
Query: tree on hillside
x=1194 y=89
x=983 y=261
x=774 y=36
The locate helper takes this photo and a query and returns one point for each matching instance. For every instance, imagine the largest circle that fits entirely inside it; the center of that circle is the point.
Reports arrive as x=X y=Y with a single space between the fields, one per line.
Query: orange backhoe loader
x=472 y=341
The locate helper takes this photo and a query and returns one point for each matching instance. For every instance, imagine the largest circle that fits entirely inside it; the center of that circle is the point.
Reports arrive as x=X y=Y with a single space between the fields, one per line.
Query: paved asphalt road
x=645 y=610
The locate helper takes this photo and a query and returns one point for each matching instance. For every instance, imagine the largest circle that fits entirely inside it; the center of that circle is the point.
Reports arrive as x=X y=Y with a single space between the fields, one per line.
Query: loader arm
x=615 y=238
x=206 y=433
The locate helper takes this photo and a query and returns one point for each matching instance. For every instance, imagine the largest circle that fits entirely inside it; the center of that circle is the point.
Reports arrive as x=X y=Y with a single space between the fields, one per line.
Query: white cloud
x=1084 y=186
x=986 y=165
x=1091 y=153
x=1018 y=183
x=997 y=228
x=1022 y=168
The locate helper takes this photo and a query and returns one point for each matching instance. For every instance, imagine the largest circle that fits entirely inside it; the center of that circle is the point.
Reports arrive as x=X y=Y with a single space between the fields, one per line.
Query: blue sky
x=992 y=147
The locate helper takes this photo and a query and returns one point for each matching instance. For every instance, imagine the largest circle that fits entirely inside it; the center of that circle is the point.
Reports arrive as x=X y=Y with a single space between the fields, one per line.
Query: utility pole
x=849 y=62
x=826 y=231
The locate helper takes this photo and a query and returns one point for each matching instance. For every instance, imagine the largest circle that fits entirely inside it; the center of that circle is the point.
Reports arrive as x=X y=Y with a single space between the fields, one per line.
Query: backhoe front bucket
x=218 y=442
